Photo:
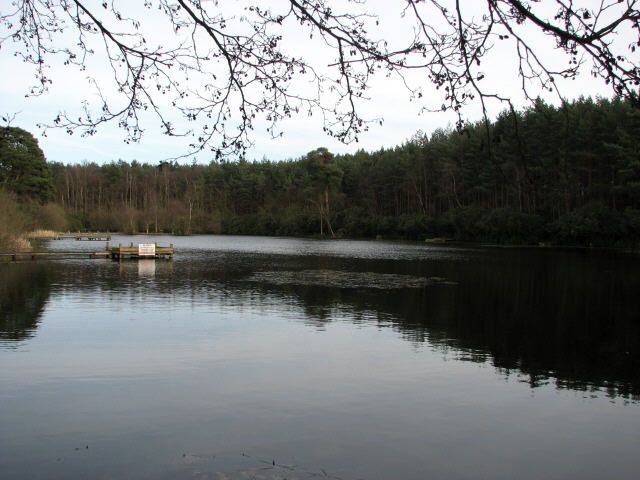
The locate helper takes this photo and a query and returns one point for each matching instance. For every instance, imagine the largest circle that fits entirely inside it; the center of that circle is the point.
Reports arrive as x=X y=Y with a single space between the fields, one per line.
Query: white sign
x=146 y=249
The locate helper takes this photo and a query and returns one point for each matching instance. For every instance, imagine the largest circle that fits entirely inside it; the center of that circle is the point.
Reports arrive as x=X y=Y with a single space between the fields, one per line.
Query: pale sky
x=388 y=100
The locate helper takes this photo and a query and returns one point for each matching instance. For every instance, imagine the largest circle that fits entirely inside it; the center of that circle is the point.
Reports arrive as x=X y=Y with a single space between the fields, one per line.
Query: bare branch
x=224 y=73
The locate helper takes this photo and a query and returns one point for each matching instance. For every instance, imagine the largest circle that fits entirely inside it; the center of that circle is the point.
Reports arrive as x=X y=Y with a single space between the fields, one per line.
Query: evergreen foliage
x=568 y=175
x=23 y=167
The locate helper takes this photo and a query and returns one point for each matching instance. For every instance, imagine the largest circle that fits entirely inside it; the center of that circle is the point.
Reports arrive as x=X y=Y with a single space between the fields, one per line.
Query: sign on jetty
x=141 y=250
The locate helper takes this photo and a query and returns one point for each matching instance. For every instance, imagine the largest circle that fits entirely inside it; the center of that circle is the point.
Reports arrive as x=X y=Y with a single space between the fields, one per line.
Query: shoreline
x=436 y=241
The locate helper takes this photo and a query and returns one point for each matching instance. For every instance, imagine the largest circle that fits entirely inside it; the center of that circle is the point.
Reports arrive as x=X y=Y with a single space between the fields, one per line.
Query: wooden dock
x=18 y=256
x=140 y=251
x=86 y=236
x=116 y=252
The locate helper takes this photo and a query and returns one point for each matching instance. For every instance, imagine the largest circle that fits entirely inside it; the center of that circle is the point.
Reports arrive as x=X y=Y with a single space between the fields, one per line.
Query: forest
x=565 y=175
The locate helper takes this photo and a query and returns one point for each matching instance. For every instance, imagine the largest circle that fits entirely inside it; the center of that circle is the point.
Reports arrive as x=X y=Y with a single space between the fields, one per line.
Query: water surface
x=250 y=357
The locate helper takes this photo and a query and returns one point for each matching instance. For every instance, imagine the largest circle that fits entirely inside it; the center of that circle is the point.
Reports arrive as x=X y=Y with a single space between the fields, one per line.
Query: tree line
x=566 y=174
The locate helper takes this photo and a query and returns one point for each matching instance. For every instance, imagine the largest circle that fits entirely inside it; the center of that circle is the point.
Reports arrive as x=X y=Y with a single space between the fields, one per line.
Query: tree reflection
x=569 y=318
x=560 y=318
x=24 y=291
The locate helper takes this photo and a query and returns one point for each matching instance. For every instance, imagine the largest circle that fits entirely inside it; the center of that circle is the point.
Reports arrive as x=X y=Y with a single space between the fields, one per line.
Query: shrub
x=632 y=224
x=464 y=222
x=12 y=223
x=413 y=226
x=356 y=222
x=386 y=226
x=51 y=217
x=505 y=225
x=296 y=222
x=592 y=224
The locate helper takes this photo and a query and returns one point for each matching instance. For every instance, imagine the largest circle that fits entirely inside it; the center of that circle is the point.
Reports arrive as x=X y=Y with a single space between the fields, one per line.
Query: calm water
x=338 y=359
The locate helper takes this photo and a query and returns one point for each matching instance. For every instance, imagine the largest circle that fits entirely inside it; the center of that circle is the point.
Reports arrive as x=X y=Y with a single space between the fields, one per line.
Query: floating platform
x=140 y=251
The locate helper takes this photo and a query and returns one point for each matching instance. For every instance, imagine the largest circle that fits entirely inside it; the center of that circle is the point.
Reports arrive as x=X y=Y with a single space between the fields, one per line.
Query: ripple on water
x=346 y=279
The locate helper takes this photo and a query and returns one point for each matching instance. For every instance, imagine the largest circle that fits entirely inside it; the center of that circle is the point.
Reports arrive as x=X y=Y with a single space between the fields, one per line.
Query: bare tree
x=226 y=68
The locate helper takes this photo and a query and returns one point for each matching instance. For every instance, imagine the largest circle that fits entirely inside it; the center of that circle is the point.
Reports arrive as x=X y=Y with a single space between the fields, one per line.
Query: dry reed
x=42 y=234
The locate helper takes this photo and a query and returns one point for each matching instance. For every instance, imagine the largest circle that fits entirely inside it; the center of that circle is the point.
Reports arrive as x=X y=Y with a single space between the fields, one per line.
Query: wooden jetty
x=140 y=251
x=86 y=236
x=116 y=252
x=17 y=256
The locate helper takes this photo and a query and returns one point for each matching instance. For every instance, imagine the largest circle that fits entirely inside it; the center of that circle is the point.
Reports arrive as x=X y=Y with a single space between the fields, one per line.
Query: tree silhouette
x=224 y=68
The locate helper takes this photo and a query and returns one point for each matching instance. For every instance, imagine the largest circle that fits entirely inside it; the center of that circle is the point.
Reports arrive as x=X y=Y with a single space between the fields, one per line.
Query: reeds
x=14 y=244
x=42 y=234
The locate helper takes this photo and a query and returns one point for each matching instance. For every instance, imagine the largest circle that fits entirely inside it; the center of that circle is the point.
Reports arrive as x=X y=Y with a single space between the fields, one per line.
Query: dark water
x=338 y=359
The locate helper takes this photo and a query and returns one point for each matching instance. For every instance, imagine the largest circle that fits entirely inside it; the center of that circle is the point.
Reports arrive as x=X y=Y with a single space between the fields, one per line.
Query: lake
x=274 y=358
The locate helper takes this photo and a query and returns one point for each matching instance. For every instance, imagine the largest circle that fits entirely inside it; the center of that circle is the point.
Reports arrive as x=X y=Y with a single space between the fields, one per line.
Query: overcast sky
x=388 y=100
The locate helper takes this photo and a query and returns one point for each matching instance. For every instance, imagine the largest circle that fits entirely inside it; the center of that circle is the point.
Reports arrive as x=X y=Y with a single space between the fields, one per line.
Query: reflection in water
x=569 y=317
x=24 y=291
x=147 y=268
x=573 y=327
x=279 y=358
x=339 y=279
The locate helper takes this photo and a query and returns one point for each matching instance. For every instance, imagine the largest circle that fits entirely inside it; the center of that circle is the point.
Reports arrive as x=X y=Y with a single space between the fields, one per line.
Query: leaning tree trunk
x=327 y=216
